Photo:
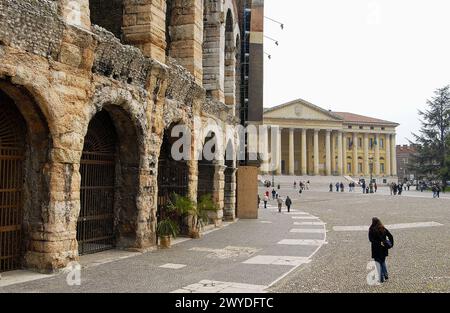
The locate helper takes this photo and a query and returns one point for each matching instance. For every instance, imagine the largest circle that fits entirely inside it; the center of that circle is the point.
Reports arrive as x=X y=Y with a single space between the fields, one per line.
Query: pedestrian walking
x=279 y=186
x=295 y=185
x=288 y=203
x=331 y=187
x=259 y=201
x=364 y=187
x=274 y=194
x=307 y=185
x=438 y=191
x=280 y=204
x=434 y=190
x=376 y=187
x=337 y=187
x=265 y=199
x=381 y=241
x=342 y=187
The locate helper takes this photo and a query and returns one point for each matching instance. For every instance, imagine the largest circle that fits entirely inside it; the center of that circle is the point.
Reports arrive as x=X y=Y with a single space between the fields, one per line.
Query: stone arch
x=32 y=180
x=132 y=215
x=173 y=173
x=230 y=61
x=107 y=14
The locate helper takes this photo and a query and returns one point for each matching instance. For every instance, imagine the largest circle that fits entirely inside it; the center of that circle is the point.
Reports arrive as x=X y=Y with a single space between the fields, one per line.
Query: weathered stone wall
x=60 y=72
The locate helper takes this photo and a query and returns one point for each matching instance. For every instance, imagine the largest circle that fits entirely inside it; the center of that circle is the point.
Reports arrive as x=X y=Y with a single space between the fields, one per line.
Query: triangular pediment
x=302 y=110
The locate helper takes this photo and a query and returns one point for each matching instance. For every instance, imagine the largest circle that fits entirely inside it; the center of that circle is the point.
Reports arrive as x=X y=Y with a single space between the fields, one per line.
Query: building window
x=371 y=143
x=382 y=168
x=382 y=143
x=360 y=167
x=349 y=167
x=350 y=127
x=360 y=142
x=361 y=127
x=372 y=128
x=349 y=143
x=382 y=128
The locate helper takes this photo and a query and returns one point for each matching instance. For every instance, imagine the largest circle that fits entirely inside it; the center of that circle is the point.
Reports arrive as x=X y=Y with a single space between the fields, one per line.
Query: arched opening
x=230 y=184
x=24 y=142
x=95 y=227
x=169 y=24
x=107 y=14
x=12 y=155
x=109 y=170
x=173 y=176
x=230 y=61
x=208 y=174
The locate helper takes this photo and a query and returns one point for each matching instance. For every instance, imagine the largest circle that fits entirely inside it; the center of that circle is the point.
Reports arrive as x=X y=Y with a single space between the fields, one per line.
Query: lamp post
x=371 y=174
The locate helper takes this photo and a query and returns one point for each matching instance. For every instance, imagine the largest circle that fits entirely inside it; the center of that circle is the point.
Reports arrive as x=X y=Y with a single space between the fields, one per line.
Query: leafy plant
x=205 y=205
x=167 y=227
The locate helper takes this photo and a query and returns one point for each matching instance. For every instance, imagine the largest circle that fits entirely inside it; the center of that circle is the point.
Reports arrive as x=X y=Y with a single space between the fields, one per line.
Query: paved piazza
x=321 y=246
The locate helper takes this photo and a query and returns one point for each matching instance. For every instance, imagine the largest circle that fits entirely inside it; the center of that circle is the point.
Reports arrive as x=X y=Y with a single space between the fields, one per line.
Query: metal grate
x=95 y=227
x=12 y=144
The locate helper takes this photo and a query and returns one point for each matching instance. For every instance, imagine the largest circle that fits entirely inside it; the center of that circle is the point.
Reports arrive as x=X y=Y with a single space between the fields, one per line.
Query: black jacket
x=378 y=250
x=288 y=202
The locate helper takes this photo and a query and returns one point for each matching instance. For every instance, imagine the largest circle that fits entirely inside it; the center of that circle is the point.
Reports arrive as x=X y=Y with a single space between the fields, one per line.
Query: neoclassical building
x=308 y=140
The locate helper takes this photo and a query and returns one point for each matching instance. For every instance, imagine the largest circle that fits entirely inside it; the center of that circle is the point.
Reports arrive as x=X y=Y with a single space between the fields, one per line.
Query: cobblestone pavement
x=282 y=252
x=419 y=262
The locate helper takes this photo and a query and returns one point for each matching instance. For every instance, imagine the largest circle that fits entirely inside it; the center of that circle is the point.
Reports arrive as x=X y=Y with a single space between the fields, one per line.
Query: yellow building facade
x=346 y=144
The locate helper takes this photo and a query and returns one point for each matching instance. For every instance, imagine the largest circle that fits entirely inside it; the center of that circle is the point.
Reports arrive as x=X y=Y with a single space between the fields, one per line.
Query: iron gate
x=95 y=227
x=12 y=149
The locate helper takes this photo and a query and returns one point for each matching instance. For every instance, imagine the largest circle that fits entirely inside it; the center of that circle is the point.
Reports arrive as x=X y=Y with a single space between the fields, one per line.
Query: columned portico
x=307 y=140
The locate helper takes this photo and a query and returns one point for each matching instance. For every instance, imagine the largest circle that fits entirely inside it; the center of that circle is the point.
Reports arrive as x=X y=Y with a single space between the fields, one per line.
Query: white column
x=291 y=152
x=393 y=155
x=340 y=153
x=366 y=155
x=264 y=148
x=377 y=155
x=304 y=154
x=355 y=154
x=344 y=153
x=316 y=152
x=279 y=134
x=387 y=145
x=328 y=152
x=333 y=153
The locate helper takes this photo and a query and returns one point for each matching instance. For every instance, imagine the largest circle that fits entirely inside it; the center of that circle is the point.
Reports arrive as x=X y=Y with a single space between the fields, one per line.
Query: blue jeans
x=383 y=271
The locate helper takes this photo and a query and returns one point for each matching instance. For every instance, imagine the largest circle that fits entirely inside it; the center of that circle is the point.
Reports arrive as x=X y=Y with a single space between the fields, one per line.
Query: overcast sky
x=381 y=58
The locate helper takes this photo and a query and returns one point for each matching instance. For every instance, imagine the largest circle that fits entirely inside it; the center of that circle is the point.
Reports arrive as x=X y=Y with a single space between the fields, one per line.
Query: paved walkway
x=246 y=256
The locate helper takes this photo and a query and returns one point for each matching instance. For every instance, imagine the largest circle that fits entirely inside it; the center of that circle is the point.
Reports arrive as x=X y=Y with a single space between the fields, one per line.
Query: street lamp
x=371 y=174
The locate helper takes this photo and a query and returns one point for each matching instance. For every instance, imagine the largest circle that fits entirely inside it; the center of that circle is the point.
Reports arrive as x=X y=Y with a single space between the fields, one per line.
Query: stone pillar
x=229 y=210
x=75 y=12
x=340 y=154
x=377 y=155
x=316 y=152
x=333 y=153
x=328 y=152
x=387 y=163
x=214 y=50
x=366 y=155
x=344 y=153
x=393 y=155
x=291 y=152
x=355 y=154
x=276 y=149
x=186 y=36
x=144 y=26
x=304 y=154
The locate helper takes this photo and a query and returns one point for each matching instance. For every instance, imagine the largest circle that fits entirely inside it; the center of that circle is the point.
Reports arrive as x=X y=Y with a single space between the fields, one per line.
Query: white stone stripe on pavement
x=277 y=260
x=209 y=286
x=173 y=266
x=307 y=231
x=301 y=242
x=309 y=223
x=305 y=218
x=393 y=226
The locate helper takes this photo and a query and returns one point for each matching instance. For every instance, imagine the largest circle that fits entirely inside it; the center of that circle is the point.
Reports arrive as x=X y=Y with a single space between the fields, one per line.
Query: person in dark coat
x=381 y=240
x=274 y=194
x=288 y=203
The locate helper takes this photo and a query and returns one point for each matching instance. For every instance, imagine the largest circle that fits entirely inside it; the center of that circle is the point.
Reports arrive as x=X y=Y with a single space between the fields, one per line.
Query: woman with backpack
x=381 y=240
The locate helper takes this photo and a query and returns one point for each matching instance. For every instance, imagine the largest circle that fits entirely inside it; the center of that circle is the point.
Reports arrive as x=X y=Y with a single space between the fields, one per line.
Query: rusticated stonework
x=59 y=69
